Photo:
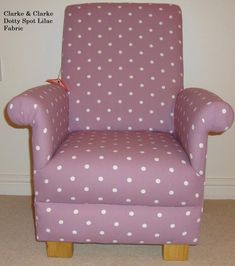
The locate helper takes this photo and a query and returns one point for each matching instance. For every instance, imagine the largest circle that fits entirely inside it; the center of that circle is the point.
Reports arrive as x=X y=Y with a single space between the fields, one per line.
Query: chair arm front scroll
x=198 y=112
x=46 y=110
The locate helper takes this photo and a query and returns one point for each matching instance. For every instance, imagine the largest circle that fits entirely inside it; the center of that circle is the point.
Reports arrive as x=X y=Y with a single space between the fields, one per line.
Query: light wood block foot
x=59 y=249
x=175 y=252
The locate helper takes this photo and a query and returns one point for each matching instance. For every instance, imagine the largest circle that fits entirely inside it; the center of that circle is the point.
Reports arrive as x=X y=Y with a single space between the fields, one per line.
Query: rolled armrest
x=198 y=112
x=46 y=110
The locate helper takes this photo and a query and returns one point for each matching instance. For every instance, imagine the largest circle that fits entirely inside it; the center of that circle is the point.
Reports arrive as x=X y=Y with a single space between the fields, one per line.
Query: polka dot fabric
x=120 y=158
x=120 y=167
x=123 y=65
x=46 y=110
x=100 y=223
x=197 y=113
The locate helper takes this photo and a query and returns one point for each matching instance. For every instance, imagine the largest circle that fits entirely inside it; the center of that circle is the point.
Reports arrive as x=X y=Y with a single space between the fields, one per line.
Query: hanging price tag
x=58 y=82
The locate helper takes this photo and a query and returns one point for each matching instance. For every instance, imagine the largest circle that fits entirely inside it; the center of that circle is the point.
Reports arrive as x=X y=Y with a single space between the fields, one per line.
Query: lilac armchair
x=120 y=158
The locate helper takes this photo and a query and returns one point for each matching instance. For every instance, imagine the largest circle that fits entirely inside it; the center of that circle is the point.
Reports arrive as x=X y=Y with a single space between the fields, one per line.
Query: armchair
x=120 y=158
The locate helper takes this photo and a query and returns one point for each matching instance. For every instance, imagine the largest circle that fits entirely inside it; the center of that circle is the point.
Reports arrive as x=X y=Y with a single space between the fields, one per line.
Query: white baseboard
x=215 y=187
x=220 y=187
x=15 y=184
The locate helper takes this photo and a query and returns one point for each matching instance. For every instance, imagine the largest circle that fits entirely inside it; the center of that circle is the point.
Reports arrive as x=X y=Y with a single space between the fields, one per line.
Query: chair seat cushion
x=120 y=167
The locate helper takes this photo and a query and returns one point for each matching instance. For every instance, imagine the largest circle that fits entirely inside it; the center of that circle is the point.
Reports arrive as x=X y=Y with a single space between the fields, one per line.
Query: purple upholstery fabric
x=197 y=113
x=120 y=167
x=100 y=223
x=46 y=110
x=123 y=65
x=121 y=157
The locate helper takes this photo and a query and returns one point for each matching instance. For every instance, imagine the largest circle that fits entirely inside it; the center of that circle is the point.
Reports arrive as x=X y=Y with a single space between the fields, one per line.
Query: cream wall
x=31 y=56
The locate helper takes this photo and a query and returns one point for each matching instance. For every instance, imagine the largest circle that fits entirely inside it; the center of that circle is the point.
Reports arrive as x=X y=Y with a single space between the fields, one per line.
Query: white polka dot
x=171 y=192
x=201 y=145
x=144 y=225
x=114 y=190
x=61 y=222
x=37 y=148
x=116 y=224
x=131 y=213
x=129 y=234
x=59 y=189
x=101 y=233
x=171 y=170
x=186 y=183
x=100 y=178
x=159 y=214
x=86 y=166
x=129 y=179
x=35 y=106
x=172 y=226
x=72 y=178
x=59 y=167
x=75 y=211
x=103 y=211
x=86 y=189
x=88 y=222
x=143 y=191
x=143 y=168
x=45 y=130
x=74 y=232
x=115 y=167
x=224 y=111
x=48 y=230
x=188 y=213
x=158 y=181
x=48 y=209
x=184 y=233
x=11 y=106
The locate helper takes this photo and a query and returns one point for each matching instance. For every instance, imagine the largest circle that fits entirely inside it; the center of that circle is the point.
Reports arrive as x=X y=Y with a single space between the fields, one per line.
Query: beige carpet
x=19 y=248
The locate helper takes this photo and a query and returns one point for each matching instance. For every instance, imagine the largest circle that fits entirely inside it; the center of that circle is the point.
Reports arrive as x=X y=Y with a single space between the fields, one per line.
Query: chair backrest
x=123 y=65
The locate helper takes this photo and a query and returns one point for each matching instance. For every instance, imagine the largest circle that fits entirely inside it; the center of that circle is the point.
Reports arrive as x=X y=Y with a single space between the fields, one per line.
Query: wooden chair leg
x=59 y=249
x=175 y=252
